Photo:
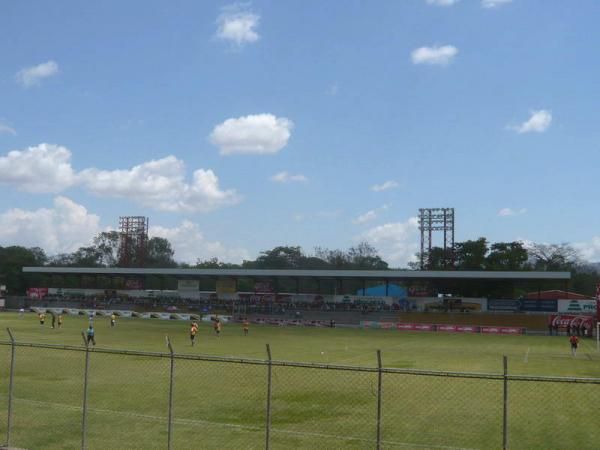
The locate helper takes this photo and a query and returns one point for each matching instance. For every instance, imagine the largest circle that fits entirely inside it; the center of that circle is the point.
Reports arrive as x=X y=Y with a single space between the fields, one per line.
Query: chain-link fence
x=58 y=397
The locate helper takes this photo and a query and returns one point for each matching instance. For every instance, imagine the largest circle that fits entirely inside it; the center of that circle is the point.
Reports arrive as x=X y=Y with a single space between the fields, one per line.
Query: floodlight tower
x=133 y=240
x=436 y=219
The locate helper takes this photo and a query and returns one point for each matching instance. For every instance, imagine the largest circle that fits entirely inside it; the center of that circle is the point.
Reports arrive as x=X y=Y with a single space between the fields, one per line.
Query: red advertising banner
x=466 y=329
x=502 y=330
x=37 y=292
x=415 y=327
x=568 y=320
x=448 y=328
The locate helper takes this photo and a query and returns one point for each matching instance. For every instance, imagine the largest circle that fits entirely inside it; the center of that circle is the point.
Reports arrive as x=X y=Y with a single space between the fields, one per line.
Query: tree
x=470 y=255
x=365 y=256
x=12 y=261
x=160 y=253
x=107 y=244
x=554 y=256
x=507 y=256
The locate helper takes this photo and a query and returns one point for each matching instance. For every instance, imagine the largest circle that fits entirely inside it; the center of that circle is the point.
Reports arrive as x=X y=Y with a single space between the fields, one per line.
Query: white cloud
x=506 y=212
x=370 y=215
x=7 y=129
x=43 y=168
x=61 y=229
x=390 y=184
x=258 y=134
x=190 y=244
x=285 y=177
x=237 y=25
x=539 y=122
x=32 y=76
x=161 y=184
x=442 y=2
x=441 y=56
x=492 y=4
x=589 y=251
x=395 y=241
x=366 y=217
x=334 y=89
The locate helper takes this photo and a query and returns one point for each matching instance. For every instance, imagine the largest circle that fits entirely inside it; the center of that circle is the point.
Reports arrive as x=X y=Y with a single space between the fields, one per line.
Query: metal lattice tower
x=133 y=241
x=435 y=219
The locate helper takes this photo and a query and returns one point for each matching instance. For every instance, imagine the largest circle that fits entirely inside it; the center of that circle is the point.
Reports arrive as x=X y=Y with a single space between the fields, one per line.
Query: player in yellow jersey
x=42 y=318
x=246 y=326
x=193 y=332
x=113 y=319
x=60 y=320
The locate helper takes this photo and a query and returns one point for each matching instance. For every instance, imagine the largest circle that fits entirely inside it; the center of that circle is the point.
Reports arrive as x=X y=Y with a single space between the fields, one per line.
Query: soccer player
x=113 y=319
x=53 y=319
x=246 y=326
x=574 y=340
x=193 y=332
x=60 y=320
x=21 y=313
x=218 y=327
x=90 y=335
x=42 y=318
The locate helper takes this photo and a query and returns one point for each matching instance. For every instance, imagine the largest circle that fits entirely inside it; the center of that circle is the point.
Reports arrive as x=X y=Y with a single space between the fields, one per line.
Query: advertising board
x=539 y=305
x=577 y=306
x=508 y=305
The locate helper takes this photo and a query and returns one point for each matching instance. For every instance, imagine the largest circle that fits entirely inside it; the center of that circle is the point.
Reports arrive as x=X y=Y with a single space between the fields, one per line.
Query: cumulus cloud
x=506 y=212
x=442 y=2
x=390 y=184
x=395 y=241
x=492 y=4
x=43 y=168
x=61 y=229
x=366 y=217
x=441 y=56
x=190 y=244
x=237 y=24
x=285 y=177
x=369 y=215
x=32 y=76
x=258 y=134
x=160 y=184
x=589 y=251
x=538 y=122
x=7 y=129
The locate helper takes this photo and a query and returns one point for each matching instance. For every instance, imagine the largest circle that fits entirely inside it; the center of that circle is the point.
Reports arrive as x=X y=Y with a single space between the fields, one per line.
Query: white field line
x=527 y=355
x=231 y=425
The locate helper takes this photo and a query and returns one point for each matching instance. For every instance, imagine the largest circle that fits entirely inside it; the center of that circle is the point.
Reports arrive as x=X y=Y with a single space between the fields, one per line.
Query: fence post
x=85 y=393
x=505 y=407
x=269 y=387
x=379 y=388
x=10 y=386
x=171 y=378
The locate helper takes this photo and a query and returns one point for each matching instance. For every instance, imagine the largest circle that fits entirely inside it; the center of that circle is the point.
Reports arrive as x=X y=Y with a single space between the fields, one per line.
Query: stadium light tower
x=133 y=231
x=436 y=219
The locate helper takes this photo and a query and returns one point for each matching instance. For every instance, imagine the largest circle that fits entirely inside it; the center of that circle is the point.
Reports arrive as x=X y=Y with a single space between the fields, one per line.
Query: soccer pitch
x=223 y=404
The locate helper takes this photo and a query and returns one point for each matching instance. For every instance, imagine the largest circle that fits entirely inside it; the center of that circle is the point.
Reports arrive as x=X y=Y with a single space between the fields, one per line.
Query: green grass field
x=220 y=405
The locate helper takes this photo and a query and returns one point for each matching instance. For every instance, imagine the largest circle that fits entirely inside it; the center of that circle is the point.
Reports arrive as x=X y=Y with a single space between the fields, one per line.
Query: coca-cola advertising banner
x=568 y=320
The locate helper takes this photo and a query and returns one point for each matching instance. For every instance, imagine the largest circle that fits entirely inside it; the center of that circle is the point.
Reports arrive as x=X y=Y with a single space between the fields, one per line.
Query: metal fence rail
x=57 y=396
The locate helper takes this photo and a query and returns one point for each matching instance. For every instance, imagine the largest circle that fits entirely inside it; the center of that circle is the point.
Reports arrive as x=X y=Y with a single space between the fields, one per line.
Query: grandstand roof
x=261 y=273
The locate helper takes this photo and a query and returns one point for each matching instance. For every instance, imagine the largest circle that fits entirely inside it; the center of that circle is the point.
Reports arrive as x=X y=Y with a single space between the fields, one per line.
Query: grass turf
x=222 y=405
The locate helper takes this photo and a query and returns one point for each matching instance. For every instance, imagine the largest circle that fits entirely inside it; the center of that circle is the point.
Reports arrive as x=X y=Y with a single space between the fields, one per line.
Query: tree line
x=106 y=251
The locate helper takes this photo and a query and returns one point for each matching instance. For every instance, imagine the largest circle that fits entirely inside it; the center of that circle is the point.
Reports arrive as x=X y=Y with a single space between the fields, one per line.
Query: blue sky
x=238 y=127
